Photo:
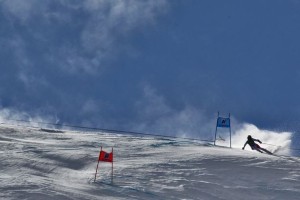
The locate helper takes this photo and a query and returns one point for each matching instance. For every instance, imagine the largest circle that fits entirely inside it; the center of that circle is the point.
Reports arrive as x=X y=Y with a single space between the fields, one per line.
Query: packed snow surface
x=41 y=164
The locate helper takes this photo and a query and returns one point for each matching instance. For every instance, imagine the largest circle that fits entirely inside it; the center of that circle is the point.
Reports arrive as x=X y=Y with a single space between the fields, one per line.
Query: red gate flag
x=105 y=157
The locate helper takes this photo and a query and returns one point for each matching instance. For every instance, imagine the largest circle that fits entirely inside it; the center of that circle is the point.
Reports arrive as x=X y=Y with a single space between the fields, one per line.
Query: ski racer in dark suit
x=254 y=146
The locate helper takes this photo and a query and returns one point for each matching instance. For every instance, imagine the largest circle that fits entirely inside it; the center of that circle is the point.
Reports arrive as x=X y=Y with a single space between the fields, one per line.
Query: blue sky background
x=155 y=65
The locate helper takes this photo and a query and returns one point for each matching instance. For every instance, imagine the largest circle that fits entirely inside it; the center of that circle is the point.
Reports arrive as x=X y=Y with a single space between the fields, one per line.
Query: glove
x=259 y=141
x=243 y=148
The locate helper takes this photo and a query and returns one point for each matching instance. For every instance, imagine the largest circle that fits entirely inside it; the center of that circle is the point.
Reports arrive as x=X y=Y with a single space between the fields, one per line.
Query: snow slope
x=38 y=164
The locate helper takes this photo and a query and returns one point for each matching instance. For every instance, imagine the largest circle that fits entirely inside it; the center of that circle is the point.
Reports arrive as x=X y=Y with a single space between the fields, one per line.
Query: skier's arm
x=257 y=140
x=245 y=145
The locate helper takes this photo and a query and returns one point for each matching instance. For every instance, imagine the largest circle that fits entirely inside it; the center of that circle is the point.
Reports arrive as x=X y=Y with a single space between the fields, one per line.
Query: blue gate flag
x=223 y=122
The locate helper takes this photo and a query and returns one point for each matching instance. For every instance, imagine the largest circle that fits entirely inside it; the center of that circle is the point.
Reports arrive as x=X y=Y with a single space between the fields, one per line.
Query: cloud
x=90 y=106
x=111 y=22
x=80 y=36
x=51 y=47
x=156 y=116
x=22 y=10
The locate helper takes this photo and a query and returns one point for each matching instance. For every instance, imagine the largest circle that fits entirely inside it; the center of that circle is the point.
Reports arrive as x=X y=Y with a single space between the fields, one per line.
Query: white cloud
x=160 y=118
x=104 y=29
x=23 y=10
x=24 y=64
x=152 y=105
x=90 y=106
x=112 y=20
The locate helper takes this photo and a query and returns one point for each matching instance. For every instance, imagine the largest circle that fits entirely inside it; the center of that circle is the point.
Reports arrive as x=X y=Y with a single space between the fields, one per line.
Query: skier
x=254 y=146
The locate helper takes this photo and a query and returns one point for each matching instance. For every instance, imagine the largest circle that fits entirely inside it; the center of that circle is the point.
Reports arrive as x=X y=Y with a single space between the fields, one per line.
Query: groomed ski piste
x=40 y=164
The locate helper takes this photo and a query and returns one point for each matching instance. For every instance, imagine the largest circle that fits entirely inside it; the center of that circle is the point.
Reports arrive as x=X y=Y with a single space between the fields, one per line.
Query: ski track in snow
x=40 y=165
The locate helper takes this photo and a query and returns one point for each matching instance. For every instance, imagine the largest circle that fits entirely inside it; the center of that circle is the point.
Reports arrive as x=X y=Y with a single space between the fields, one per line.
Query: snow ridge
x=60 y=165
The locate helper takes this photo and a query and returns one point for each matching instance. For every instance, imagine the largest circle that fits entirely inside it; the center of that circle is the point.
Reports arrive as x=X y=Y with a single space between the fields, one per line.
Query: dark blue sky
x=155 y=66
